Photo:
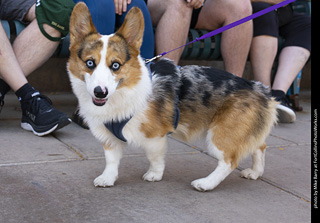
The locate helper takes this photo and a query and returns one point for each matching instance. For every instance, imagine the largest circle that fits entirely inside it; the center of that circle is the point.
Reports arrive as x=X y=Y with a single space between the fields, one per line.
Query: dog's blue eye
x=115 y=66
x=90 y=64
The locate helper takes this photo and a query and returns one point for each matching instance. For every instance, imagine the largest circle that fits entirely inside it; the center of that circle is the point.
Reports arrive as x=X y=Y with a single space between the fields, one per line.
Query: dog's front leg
x=110 y=173
x=155 y=150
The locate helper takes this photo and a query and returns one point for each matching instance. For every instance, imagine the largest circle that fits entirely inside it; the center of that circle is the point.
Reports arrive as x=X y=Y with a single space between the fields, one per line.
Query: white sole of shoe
x=285 y=114
x=28 y=127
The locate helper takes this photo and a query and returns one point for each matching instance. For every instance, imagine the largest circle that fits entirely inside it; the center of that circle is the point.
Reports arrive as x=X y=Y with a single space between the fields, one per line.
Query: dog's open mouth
x=98 y=101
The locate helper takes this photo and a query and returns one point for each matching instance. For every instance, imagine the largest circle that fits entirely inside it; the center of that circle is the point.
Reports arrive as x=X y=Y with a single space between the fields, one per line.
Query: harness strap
x=116 y=128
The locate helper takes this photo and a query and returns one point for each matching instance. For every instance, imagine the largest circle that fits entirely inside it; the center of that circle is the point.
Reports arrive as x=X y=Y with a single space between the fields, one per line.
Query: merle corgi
x=123 y=105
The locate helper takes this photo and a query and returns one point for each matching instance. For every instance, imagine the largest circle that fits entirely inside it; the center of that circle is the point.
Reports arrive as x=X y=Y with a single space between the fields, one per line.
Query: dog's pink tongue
x=99 y=102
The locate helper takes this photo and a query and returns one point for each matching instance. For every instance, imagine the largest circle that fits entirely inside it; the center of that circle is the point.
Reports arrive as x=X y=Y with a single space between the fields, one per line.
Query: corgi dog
x=123 y=105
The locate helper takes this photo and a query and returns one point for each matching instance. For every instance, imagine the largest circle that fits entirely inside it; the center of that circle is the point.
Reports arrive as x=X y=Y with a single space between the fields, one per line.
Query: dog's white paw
x=105 y=180
x=250 y=174
x=202 y=184
x=152 y=176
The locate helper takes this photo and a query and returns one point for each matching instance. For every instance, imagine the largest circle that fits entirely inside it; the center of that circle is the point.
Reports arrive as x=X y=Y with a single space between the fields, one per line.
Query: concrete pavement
x=49 y=179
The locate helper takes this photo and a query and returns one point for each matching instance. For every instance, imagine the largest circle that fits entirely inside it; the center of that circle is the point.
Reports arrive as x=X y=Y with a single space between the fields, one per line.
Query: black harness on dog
x=115 y=127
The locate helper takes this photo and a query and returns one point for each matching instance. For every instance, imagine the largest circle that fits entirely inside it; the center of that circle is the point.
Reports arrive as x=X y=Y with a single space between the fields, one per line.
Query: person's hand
x=194 y=3
x=121 y=6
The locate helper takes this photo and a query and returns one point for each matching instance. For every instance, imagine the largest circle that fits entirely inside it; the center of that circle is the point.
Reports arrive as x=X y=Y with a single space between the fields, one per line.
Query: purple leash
x=229 y=26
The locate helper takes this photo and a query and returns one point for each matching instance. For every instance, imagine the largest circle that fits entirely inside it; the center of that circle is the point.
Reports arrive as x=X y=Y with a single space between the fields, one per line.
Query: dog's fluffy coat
x=233 y=115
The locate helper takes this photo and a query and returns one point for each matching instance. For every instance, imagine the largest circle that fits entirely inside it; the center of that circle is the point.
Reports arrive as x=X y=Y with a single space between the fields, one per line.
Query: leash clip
x=152 y=59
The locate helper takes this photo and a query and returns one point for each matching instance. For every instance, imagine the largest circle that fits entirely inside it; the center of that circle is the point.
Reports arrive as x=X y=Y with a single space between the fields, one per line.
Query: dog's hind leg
x=214 y=179
x=257 y=169
x=155 y=150
x=110 y=173
x=218 y=175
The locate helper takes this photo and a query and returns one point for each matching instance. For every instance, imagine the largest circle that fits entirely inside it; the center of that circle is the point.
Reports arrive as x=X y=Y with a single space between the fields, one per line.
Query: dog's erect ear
x=81 y=24
x=133 y=27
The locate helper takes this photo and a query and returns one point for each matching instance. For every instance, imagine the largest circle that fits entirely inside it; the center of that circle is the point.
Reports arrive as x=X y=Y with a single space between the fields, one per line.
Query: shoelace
x=285 y=101
x=38 y=100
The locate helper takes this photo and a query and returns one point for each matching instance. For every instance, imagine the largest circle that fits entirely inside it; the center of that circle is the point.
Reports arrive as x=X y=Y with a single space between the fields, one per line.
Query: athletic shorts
x=55 y=13
x=15 y=9
x=194 y=18
x=294 y=27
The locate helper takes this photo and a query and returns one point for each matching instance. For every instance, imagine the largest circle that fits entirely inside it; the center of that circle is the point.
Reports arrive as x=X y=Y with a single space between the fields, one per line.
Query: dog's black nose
x=99 y=93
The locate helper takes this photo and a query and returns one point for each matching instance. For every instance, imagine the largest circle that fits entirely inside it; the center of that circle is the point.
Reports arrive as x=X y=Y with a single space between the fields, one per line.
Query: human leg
x=235 y=43
x=172 y=19
x=41 y=123
x=296 y=51
x=37 y=113
x=262 y=54
x=264 y=44
x=297 y=48
x=291 y=61
x=263 y=51
x=31 y=47
x=9 y=64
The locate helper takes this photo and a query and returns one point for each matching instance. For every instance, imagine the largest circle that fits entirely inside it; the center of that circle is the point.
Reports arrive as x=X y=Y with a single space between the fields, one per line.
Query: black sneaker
x=285 y=112
x=40 y=117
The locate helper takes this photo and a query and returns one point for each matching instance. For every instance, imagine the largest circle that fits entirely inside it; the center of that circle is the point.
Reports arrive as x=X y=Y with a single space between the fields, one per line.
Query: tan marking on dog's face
x=124 y=48
x=118 y=51
x=90 y=49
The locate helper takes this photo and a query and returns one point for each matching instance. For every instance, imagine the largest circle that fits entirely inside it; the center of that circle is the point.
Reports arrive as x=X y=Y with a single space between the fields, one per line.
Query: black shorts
x=294 y=27
x=15 y=9
x=194 y=18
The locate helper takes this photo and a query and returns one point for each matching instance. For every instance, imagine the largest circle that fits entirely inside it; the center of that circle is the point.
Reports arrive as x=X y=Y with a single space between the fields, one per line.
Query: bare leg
x=262 y=54
x=291 y=61
x=9 y=64
x=172 y=19
x=235 y=42
x=30 y=50
x=31 y=47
